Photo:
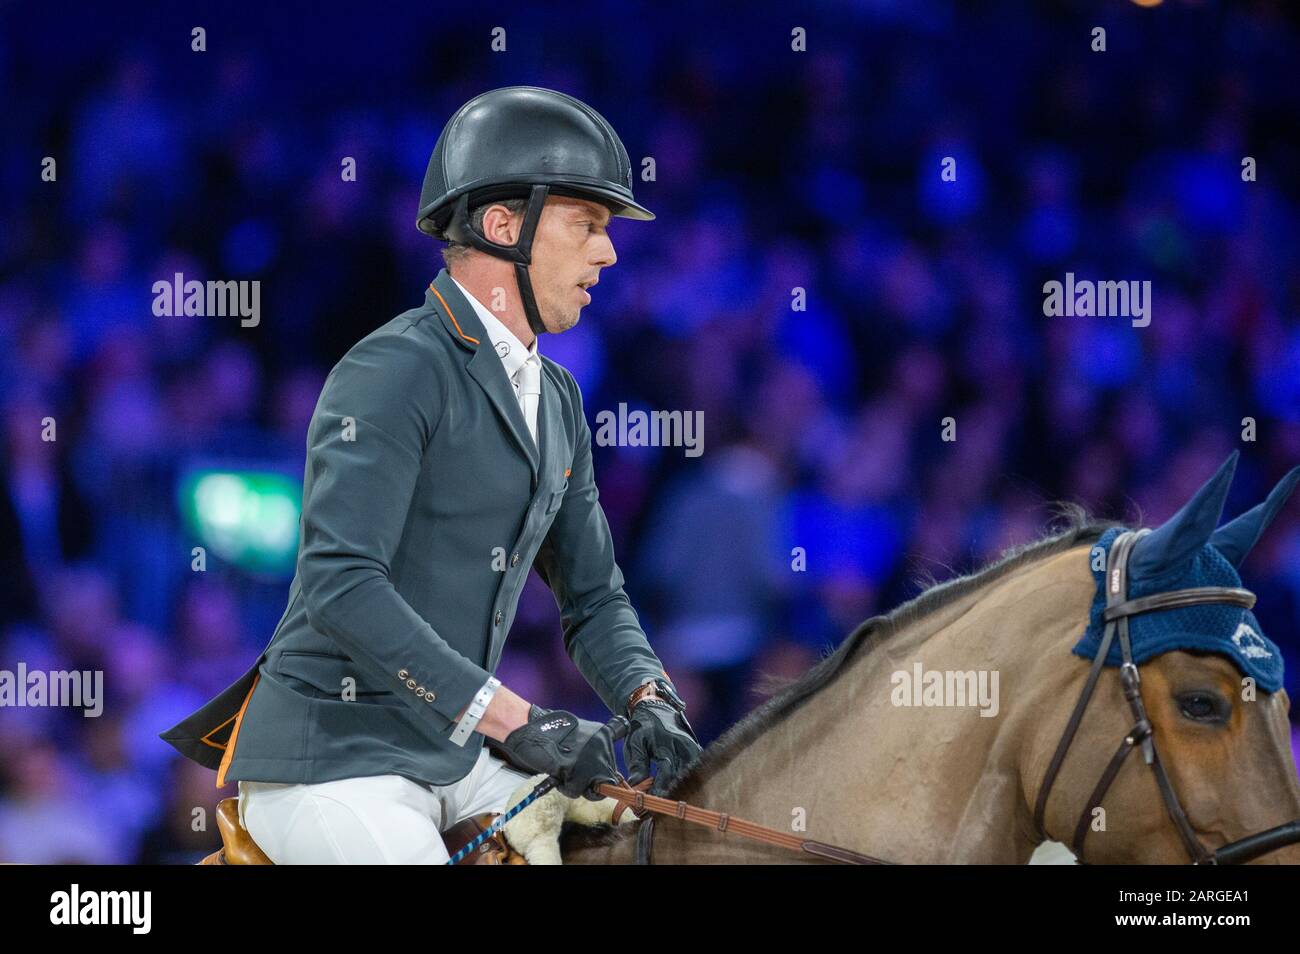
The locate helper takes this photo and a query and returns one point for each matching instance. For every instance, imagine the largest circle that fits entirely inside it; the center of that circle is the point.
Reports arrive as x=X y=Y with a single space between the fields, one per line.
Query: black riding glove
x=577 y=752
x=660 y=732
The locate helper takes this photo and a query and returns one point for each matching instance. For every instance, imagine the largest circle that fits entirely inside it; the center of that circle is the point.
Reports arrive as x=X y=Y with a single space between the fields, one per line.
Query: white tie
x=530 y=391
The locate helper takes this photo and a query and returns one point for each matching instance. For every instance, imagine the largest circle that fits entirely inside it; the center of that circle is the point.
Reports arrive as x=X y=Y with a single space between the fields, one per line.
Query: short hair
x=454 y=252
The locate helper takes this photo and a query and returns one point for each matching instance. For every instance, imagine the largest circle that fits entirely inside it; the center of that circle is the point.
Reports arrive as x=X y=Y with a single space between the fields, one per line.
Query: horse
x=845 y=753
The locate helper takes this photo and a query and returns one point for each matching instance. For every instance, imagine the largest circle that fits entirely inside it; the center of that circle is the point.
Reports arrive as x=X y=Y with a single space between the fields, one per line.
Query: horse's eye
x=1201 y=706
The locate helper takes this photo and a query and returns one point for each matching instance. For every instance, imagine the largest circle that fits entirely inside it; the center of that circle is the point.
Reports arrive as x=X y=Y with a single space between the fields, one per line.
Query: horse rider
x=445 y=457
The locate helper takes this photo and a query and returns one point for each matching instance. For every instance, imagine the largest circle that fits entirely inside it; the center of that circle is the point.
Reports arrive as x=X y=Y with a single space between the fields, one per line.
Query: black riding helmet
x=515 y=142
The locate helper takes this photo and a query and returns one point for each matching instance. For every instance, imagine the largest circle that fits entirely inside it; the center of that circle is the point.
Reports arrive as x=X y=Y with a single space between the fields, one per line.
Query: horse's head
x=1210 y=685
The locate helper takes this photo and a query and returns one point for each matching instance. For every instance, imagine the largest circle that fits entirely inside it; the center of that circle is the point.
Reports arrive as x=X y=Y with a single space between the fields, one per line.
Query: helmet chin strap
x=530 y=303
x=461 y=230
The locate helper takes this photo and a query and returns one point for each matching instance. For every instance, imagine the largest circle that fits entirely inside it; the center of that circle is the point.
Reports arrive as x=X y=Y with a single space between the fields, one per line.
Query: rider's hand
x=577 y=752
x=660 y=733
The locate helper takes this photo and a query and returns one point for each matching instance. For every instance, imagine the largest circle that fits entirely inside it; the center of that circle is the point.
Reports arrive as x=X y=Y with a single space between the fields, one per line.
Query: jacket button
x=430 y=696
x=500 y=617
x=411 y=684
x=402 y=674
x=514 y=560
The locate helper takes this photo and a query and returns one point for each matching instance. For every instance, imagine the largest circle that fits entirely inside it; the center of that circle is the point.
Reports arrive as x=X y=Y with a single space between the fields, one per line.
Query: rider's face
x=569 y=250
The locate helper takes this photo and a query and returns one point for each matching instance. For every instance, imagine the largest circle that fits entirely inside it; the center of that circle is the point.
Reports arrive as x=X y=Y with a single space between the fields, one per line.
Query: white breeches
x=379 y=819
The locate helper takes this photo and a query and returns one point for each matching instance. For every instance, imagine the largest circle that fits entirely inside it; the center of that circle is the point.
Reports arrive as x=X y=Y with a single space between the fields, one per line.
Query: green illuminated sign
x=247 y=518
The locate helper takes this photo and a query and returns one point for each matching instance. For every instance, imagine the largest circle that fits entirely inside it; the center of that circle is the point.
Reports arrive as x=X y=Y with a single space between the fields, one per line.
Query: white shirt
x=524 y=369
x=523 y=365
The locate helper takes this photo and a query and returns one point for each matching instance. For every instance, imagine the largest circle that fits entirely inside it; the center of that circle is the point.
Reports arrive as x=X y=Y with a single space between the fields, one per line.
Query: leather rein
x=642 y=804
x=1118 y=610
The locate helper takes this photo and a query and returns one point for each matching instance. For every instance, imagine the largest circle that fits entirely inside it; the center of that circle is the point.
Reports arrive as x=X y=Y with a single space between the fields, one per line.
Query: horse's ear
x=1183 y=534
x=1236 y=538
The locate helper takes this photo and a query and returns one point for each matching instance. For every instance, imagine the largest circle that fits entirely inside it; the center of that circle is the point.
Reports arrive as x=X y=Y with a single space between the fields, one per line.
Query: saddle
x=239 y=848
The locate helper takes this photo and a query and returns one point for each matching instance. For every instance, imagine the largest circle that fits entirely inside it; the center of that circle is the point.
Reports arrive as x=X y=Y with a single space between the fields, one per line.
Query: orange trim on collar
x=451 y=315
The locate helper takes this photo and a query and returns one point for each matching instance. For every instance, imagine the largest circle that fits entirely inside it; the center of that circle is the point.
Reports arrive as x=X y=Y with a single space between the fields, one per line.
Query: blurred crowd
x=774 y=171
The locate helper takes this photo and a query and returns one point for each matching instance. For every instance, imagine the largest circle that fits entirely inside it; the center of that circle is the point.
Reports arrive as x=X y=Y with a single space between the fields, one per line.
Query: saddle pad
x=1215 y=627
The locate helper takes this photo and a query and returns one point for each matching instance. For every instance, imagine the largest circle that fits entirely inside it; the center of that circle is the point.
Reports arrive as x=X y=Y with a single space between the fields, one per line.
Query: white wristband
x=474 y=711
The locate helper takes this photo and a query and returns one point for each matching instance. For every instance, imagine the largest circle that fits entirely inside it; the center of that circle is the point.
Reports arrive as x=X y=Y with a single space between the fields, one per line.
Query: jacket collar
x=457 y=314
x=509 y=348
x=463 y=324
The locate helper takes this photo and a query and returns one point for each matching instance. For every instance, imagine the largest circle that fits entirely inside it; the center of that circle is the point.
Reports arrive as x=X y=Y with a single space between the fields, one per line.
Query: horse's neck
x=912 y=784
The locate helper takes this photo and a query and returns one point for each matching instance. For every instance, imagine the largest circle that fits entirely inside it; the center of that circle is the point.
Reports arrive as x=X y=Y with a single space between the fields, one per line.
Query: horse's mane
x=1078 y=527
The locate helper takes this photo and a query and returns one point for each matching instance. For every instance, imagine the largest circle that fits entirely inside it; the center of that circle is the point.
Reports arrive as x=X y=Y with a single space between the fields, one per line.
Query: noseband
x=1118 y=610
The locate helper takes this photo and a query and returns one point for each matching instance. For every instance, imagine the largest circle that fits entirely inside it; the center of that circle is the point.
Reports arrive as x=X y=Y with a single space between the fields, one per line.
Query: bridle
x=1116 y=616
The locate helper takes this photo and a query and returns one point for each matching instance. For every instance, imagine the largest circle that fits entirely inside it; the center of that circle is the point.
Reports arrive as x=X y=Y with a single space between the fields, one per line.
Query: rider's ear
x=1236 y=538
x=1180 y=537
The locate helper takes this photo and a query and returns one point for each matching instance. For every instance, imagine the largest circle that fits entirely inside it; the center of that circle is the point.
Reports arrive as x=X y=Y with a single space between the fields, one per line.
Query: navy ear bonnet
x=1217 y=627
